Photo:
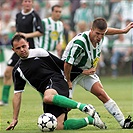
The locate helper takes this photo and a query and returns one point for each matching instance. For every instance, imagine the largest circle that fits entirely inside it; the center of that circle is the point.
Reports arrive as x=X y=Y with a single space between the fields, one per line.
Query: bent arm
x=113 y=31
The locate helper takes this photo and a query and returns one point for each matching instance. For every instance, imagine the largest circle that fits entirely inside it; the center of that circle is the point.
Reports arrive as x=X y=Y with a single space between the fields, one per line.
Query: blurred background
x=77 y=16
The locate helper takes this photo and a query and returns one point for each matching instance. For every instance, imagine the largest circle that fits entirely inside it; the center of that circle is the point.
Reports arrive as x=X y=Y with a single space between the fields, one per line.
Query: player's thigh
x=60 y=85
x=8 y=72
x=88 y=81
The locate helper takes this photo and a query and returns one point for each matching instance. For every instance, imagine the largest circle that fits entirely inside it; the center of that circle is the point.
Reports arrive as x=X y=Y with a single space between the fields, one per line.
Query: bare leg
x=8 y=75
x=109 y=104
x=7 y=85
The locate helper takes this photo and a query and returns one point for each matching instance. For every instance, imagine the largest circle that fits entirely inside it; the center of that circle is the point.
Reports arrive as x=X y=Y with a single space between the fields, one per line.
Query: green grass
x=120 y=90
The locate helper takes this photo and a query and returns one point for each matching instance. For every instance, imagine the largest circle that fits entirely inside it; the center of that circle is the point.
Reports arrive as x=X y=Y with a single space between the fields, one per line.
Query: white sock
x=113 y=109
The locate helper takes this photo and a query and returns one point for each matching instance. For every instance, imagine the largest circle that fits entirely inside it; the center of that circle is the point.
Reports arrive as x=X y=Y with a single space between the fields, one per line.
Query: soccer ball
x=47 y=122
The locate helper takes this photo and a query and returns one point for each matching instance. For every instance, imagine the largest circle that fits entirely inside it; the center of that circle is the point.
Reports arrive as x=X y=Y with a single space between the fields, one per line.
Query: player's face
x=96 y=35
x=21 y=48
x=27 y=5
x=56 y=14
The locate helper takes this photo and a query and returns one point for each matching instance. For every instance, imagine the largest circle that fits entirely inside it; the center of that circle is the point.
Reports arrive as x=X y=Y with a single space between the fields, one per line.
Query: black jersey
x=37 y=70
x=27 y=23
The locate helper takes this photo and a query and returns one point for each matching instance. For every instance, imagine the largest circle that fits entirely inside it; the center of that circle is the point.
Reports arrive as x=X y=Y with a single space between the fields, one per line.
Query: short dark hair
x=54 y=7
x=17 y=37
x=99 y=23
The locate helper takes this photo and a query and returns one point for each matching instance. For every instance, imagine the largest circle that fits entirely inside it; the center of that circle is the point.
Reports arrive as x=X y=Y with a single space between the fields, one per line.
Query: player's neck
x=94 y=44
x=92 y=41
x=27 y=10
x=54 y=19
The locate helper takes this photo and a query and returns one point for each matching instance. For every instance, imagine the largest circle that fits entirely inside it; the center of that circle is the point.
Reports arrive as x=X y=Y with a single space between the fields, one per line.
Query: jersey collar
x=27 y=12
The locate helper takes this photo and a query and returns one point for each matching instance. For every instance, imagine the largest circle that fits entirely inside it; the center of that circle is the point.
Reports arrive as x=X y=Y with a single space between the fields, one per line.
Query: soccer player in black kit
x=29 y=24
x=43 y=72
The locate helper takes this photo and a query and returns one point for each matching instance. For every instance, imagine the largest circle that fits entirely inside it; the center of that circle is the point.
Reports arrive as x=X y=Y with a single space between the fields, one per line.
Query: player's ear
x=12 y=48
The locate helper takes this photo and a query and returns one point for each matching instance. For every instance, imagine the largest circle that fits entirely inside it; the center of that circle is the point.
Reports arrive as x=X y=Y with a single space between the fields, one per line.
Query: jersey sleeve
x=17 y=30
x=19 y=83
x=74 y=53
x=38 y=23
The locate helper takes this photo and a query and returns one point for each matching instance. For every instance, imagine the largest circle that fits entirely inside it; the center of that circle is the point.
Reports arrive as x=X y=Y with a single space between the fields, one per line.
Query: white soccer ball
x=47 y=122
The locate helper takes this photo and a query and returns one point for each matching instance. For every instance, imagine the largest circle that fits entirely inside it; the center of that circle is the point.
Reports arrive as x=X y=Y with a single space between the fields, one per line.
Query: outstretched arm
x=16 y=108
x=113 y=31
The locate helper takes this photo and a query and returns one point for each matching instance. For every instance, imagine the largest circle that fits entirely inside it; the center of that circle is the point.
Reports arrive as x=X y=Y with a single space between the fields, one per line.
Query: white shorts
x=85 y=81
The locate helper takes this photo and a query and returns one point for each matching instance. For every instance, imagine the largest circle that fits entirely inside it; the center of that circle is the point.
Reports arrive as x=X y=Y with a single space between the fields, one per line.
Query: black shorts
x=13 y=60
x=55 y=110
x=61 y=86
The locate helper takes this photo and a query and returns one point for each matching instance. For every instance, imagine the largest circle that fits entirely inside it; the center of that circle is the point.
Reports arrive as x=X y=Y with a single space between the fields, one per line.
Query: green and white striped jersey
x=80 y=51
x=53 y=34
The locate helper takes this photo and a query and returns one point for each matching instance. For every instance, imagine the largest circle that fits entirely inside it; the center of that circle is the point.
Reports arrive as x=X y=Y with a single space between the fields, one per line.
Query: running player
x=84 y=51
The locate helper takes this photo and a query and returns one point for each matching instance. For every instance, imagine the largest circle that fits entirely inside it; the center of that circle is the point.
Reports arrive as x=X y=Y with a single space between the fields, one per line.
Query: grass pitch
x=31 y=107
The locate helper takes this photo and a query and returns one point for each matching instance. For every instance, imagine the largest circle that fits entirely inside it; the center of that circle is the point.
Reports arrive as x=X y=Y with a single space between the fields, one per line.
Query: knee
x=48 y=99
x=48 y=96
x=8 y=74
x=99 y=92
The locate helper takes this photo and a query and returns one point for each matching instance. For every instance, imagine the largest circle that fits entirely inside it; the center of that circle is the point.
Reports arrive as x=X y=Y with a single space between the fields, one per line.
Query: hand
x=59 y=50
x=23 y=34
x=69 y=84
x=12 y=125
x=128 y=27
x=69 y=109
x=90 y=71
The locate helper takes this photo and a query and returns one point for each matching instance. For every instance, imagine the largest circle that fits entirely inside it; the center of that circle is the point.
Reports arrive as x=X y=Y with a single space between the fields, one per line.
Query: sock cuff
x=108 y=102
x=89 y=120
x=78 y=105
x=86 y=119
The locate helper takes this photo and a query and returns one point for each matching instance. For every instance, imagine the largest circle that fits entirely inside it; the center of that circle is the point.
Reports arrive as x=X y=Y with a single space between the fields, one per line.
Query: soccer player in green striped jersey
x=84 y=51
x=53 y=32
